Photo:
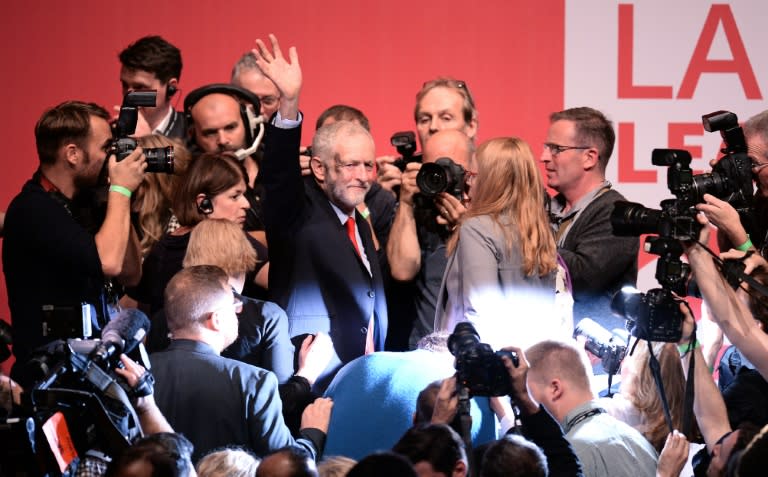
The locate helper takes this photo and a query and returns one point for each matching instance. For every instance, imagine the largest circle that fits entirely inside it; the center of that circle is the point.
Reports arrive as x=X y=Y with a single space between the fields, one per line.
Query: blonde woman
x=503 y=273
x=155 y=194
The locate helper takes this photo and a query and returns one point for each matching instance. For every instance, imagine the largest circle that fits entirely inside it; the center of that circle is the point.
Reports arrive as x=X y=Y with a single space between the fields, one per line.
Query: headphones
x=170 y=90
x=205 y=206
x=250 y=117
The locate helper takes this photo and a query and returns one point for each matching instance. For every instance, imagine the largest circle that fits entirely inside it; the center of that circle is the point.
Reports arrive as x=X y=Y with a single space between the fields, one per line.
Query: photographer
x=537 y=424
x=50 y=258
x=416 y=247
x=503 y=256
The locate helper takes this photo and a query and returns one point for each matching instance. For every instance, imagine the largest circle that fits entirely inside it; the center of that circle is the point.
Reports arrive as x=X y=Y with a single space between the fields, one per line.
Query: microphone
x=121 y=335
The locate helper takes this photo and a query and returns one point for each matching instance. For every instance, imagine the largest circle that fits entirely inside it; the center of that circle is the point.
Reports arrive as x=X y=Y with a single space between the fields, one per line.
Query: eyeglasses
x=555 y=149
x=757 y=166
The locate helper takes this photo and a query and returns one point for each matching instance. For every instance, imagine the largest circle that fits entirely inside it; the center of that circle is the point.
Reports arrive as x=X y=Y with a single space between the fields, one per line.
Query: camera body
x=405 y=143
x=656 y=316
x=478 y=368
x=159 y=159
x=609 y=347
x=443 y=175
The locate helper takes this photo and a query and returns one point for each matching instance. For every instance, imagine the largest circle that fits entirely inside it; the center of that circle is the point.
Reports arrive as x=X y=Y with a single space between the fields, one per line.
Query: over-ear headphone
x=249 y=117
x=205 y=206
x=170 y=90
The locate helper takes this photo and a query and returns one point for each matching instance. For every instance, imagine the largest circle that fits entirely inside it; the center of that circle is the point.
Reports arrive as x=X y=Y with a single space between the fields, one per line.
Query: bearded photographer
x=57 y=270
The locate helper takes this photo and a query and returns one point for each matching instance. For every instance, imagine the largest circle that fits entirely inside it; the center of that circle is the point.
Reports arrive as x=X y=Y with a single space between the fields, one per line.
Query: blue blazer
x=315 y=274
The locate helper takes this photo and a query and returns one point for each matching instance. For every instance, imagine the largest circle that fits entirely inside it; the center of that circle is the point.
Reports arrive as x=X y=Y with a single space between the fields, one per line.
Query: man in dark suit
x=323 y=279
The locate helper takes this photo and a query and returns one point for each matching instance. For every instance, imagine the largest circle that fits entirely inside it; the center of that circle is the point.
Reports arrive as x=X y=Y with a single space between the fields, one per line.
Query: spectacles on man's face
x=758 y=166
x=555 y=149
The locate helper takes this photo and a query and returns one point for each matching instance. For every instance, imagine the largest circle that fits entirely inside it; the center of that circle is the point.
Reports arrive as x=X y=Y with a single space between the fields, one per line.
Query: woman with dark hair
x=212 y=188
x=503 y=273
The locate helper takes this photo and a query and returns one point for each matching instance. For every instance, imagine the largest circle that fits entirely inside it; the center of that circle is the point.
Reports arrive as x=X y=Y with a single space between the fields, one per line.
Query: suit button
x=371 y=294
x=364 y=330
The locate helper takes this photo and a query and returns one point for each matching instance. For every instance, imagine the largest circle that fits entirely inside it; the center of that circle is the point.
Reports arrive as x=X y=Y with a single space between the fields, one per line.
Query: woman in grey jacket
x=503 y=273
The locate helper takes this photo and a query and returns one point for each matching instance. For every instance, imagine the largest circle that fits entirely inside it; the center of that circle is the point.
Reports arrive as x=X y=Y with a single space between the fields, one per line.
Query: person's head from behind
x=247 y=75
x=513 y=456
x=213 y=188
x=579 y=143
x=230 y=462
x=445 y=103
x=508 y=184
x=287 y=462
x=154 y=197
x=342 y=112
x=221 y=243
x=200 y=305
x=74 y=137
x=434 y=450
x=151 y=63
x=383 y=464
x=165 y=454
x=342 y=163
x=558 y=376
x=335 y=466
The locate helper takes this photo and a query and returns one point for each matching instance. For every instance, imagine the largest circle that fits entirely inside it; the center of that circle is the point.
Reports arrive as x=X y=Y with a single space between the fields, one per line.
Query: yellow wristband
x=121 y=190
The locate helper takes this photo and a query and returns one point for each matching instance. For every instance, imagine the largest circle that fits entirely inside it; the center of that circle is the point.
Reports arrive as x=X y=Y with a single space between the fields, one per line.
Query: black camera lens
x=159 y=159
x=432 y=179
x=633 y=219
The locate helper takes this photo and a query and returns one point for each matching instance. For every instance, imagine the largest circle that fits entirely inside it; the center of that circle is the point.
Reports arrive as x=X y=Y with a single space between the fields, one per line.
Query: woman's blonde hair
x=640 y=389
x=155 y=194
x=508 y=186
x=222 y=243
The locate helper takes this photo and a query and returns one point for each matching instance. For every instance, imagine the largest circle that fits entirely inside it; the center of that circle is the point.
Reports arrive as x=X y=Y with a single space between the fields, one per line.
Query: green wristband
x=746 y=245
x=684 y=348
x=366 y=213
x=121 y=190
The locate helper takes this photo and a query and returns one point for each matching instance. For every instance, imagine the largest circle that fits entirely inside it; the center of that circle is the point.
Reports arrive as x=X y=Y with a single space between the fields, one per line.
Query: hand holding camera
x=129 y=172
x=517 y=367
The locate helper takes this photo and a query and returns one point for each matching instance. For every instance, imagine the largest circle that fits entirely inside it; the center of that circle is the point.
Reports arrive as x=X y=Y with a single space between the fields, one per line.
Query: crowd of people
x=303 y=300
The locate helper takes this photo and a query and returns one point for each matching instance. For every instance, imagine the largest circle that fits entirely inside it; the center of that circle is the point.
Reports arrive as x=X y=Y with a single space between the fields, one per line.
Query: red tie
x=351 y=234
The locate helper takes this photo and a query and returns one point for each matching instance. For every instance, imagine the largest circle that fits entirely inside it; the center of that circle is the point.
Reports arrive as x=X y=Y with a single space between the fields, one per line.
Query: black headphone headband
x=220 y=88
x=236 y=92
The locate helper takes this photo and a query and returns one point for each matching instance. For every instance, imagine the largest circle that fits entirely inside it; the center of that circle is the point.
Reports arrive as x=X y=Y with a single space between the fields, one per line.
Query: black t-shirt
x=48 y=259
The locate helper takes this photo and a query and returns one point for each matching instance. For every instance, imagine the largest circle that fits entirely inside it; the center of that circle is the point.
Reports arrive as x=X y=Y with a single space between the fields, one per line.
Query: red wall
x=373 y=55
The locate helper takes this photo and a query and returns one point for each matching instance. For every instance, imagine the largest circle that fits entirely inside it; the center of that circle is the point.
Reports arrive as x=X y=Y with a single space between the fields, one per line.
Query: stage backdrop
x=653 y=67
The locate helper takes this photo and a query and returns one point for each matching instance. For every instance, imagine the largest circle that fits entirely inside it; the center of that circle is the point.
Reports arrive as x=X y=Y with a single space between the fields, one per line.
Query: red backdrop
x=373 y=55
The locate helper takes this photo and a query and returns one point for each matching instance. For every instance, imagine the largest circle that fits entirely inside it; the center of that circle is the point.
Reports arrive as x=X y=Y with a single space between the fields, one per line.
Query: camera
x=443 y=175
x=159 y=159
x=478 y=368
x=405 y=143
x=608 y=346
x=656 y=316
x=652 y=316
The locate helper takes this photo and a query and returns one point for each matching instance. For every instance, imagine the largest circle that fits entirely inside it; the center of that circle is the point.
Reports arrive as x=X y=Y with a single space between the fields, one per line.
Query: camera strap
x=653 y=363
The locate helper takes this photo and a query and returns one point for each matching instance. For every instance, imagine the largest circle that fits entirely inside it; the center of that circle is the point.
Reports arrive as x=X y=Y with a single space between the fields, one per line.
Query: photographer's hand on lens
x=389 y=176
x=518 y=377
x=451 y=209
x=408 y=186
x=129 y=172
x=446 y=403
x=725 y=218
x=285 y=74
